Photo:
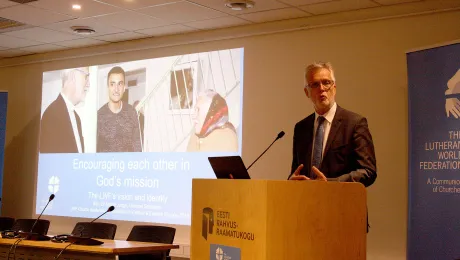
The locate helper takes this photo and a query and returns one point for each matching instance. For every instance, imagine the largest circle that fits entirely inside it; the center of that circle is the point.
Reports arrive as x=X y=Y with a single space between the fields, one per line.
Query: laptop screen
x=223 y=166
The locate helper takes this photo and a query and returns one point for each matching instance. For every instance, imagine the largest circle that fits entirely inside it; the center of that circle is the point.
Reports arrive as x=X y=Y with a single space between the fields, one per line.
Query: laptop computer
x=223 y=166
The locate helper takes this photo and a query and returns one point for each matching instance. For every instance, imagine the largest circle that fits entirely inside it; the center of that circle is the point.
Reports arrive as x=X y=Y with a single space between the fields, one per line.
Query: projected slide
x=134 y=134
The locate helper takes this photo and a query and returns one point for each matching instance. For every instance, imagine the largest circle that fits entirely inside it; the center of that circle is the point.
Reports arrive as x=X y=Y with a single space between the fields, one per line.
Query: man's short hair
x=316 y=66
x=116 y=70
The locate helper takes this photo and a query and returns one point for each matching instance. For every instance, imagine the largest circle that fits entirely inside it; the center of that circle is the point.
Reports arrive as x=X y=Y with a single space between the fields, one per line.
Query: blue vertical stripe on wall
x=3 y=110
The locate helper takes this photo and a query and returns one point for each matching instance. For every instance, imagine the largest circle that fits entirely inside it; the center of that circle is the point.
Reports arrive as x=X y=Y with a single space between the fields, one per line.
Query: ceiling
x=37 y=26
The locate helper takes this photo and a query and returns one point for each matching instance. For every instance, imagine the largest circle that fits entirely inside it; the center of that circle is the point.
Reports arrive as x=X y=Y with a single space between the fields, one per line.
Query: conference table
x=111 y=249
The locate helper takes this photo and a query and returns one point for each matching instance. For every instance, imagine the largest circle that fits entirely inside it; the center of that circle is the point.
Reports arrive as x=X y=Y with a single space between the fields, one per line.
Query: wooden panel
x=290 y=219
x=244 y=202
x=316 y=220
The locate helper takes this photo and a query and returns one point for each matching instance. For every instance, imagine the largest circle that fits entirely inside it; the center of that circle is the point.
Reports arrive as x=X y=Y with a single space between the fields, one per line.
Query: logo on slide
x=219 y=254
x=453 y=96
x=208 y=222
x=53 y=184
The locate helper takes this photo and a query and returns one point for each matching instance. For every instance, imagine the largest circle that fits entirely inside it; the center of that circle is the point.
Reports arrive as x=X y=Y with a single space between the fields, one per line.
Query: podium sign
x=262 y=219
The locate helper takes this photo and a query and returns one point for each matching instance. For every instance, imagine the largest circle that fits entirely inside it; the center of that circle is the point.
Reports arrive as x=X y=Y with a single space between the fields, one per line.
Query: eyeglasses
x=325 y=82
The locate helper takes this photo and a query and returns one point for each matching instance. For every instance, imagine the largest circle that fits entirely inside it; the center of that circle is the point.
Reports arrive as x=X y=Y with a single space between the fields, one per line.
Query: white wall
x=370 y=65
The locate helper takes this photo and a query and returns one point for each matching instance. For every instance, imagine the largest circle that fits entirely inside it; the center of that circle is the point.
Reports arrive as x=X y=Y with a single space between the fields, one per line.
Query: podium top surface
x=356 y=185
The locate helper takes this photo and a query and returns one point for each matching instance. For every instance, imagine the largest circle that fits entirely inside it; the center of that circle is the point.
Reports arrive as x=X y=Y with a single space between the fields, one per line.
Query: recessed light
x=82 y=30
x=238 y=5
x=76 y=7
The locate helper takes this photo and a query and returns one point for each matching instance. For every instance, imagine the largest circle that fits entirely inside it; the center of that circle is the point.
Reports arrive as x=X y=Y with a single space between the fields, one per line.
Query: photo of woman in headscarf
x=212 y=132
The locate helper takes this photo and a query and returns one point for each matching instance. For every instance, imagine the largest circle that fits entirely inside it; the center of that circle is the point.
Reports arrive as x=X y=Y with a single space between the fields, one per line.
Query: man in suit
x=332 y=143
x=60 y=130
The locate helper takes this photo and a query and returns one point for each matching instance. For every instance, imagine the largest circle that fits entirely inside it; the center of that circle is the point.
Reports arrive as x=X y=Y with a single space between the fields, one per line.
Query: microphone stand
x=280 y=135
x=32 y=235
x=88 y=241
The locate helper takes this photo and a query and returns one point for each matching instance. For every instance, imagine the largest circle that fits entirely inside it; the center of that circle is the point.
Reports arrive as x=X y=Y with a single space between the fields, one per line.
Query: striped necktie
x=318 y=145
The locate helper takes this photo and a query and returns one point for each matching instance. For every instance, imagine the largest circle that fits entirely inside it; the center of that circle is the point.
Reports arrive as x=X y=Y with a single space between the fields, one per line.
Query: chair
x=154 y=234
x=6 y=223
x=95 y=230
x=26 y=224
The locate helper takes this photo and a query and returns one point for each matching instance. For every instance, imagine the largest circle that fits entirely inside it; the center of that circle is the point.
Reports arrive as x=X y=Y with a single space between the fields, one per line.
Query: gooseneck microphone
x=36 y=221
x=88 y=241
x=280 y=135
x=110 y=209
x=80 y=240
x=31 y=235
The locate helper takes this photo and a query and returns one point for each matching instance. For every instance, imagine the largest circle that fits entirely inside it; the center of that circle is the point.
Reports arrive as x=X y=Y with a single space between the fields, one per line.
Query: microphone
x=88 y=241
x=79 y=240
x=49 y=200
x=280 y=135
x=110 y=209
x=35 y=236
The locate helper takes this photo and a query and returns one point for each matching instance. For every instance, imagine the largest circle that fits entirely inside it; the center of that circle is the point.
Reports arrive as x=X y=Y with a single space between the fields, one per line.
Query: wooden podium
x=276 y=220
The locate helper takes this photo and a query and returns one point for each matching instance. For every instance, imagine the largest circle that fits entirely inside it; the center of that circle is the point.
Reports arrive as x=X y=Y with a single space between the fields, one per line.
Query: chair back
x=26 y=224
x=6 y=223
x=95 y=230
x=153 y=234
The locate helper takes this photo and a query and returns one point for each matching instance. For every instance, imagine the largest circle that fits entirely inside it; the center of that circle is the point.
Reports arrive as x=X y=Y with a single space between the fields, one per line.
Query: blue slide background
x=73 y=186
x=433 y=226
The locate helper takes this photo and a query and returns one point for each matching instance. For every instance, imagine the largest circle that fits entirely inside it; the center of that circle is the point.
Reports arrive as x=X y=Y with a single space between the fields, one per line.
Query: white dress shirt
x=73 y=120
x=328 y=116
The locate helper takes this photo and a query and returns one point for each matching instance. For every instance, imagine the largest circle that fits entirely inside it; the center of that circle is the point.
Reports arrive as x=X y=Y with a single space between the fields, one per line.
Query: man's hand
x=453 y=104
x=319 y=175
x=453 y=107
x=296 y=175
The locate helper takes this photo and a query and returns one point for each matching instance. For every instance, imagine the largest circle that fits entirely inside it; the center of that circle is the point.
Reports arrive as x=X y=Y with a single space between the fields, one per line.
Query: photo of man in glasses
x=61 y=130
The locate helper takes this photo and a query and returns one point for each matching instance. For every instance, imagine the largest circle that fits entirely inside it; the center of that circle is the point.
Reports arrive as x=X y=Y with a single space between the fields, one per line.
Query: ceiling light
x=82 y=30
x=238 y=5
x=76 y=7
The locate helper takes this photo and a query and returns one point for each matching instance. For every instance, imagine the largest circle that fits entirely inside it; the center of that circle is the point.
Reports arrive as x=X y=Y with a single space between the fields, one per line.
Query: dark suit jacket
x=56 y=133
x=349 y=153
